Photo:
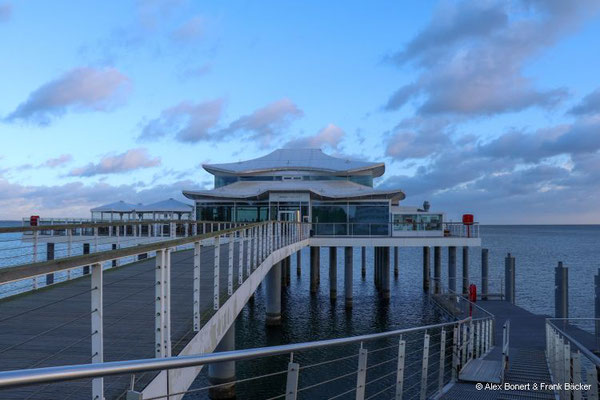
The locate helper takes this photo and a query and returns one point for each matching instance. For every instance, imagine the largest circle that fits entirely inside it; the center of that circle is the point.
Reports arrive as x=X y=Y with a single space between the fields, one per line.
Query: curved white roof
x=320 y=189
x=297 y=159
x=119 y=206
x=170 y=205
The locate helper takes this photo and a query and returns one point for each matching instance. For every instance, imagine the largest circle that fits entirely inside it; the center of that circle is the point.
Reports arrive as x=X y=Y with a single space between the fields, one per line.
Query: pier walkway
x=527 y=360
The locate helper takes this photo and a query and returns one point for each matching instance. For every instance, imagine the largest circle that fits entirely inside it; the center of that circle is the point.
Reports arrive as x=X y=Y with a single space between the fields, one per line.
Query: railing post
x=291 y=385
x=577 y=374
x=197 y=265
x=567 y=366
x=241 y=257
x=424 y=367
x=442 y=360
x=167 y=303
x=248 y=239
x=592 y=380
x=464 y=346
x=230 y=265
x=455 y=331
x=400 y=369
x=361 y=374
x=97 y=328
x=471 y=340
x=158 y=305
x=216 y=272
x=255 y=245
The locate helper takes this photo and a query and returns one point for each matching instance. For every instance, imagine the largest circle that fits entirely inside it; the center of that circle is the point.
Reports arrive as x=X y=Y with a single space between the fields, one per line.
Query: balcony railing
x=386 y=229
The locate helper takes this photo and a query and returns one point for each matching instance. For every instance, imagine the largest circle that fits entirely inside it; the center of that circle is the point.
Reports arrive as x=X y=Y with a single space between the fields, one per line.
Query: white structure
x=169 y=209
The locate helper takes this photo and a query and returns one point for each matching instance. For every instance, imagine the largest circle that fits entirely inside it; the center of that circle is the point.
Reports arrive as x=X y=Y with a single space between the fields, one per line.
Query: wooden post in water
x=561 y=291
x=333 y=273
x=437 y=269
x=509 y=278
x=314 y=268
x=49 y=256
x=363 y=261
x=86 y=250
x=484 y=274
x=396 y=271
x=426 y=267
x=465 y=270
x=452 y=268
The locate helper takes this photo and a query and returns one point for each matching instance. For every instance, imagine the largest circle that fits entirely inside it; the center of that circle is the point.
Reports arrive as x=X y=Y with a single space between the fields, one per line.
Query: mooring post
x=426 y=267
x=377 y=267
x=484 y=274
x=465 y=270
x=396 y=272
x=223 y=372
x=273 y=297
x=437 y=269
x=452 y=268
x=333 y=273
x=49 y=256
x=283 y=274
x=509 y=278
x=348 y=263
x=597 y=308
x=561 y=291
x=114 y=247
x=363 y=261
x=86 y=250
x=299 y=262
x=314 y=268
x=288 y=267
x=385 y=281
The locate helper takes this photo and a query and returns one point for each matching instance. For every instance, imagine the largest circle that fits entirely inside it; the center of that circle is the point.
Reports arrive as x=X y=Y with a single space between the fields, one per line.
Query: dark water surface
x=305 y=318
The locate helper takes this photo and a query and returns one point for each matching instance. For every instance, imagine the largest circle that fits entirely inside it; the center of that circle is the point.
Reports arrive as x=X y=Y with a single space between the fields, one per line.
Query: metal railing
x=388 y=229
x=408 y=363
x=573 y=365
x=253 y=242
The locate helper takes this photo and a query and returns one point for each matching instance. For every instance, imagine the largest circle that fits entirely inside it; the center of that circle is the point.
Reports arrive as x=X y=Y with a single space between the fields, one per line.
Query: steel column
x=437 y=270
x=348 y=274
x=273 y=295
x=314 y=268
x=452 y=268
x=333 y=272
x=465 y=270
x=426 y=267
x=97 y=328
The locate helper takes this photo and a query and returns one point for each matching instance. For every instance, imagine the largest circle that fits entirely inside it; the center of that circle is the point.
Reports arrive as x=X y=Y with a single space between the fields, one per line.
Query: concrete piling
x=273 y=295
x=484 y=274
x=509 y=278
x=315 y=261
x=396 y=271
x=426 y=267
x=223 y=372
x=561 y=291
x=465 y=270
x=452 y=268
x=348 y=263
x=49 y=256
x=385 y=273
x=288 y=267
x=333 y=273
x=363 y=262
x=299 y=262
x=437 y=269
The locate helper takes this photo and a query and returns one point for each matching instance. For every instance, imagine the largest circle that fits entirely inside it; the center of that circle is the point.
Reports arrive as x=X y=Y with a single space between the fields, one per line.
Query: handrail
x=24 y=271
x=81 y=371
x=590 y=355
x=61 y=227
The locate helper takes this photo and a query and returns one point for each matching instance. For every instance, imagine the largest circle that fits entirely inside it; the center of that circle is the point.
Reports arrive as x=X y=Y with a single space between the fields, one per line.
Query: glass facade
x=417 y=222
x=351 y=218
x=365 y=180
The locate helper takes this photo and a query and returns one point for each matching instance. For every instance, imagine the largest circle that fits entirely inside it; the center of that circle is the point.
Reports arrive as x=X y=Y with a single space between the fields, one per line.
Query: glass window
x=417 y=222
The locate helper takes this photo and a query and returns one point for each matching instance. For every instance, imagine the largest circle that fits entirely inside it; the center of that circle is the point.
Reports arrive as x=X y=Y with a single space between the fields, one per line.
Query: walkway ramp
x=486 y=369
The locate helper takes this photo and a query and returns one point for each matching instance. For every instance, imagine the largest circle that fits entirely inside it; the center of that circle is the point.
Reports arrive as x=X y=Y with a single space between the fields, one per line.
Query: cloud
x=330 y=136
x=418 y=138
x=471 y=56
x=58 y=161
x=267 y=122
x=196 y=72
x=589 y=105
x=187 y=121
x=130 y=160
x=5 y=11
x=190 y=30
x=75 y=199
x=81 y=89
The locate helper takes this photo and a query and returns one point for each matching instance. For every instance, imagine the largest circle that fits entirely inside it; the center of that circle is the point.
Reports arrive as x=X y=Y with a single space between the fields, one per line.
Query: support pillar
x=396 y=262
x=376 y=267
x=561 y=291
x=86 y=250
x=385 y=273
x=273 y=295
x=348 y=263
x=484 y=274
x=509 y=278
x=49 y=256
x=333 y=273
x=283 y=273
x=223 y=372
x=299 y=262
x=363 y=261
x=314 y=268
x=114 y=262
x=465 y=270
x=437 y=269
x=452 y=268
x=426 y=267
x=97 y=338
x=288 y=268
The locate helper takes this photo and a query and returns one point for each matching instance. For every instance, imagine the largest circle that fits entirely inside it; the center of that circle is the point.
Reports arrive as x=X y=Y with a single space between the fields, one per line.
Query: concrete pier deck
x=51 y=326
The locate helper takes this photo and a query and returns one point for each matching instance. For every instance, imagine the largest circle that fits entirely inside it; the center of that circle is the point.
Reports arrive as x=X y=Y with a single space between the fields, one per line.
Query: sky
x=482 y=106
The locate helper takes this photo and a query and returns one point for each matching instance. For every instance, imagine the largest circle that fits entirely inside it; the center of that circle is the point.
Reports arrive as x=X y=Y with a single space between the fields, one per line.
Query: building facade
x=335 y=194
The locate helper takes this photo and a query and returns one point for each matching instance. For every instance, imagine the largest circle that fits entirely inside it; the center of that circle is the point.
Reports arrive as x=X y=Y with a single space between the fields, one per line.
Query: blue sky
x=491 y=107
